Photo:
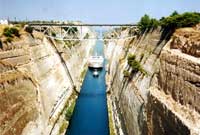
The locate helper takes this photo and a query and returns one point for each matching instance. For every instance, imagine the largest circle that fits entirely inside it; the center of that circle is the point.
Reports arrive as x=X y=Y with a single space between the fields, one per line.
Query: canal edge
x=112 y=128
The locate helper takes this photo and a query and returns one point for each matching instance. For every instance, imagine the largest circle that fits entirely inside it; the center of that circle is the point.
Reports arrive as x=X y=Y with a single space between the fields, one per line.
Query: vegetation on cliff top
x=10 y=33
x=175 y=20
x=146 y=23
x=29 y=29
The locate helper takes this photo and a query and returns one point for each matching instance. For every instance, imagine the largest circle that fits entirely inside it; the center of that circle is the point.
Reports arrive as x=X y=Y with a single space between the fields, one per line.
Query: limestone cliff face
x=178 y=82
x=187 y=40
x=165 y=100
x=34 y=82
x=131 y=95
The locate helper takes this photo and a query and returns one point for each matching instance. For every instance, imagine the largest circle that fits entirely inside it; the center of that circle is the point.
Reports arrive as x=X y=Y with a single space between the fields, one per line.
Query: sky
x=93 y=11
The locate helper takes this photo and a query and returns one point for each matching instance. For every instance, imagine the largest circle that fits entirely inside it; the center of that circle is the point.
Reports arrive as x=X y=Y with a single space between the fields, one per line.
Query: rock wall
x=187 y=40
x=165 y=100
x=34 y=82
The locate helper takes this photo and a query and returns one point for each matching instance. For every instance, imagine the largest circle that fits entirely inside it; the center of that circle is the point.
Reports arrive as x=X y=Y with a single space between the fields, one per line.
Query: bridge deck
x=77 y=34
x=57 y=24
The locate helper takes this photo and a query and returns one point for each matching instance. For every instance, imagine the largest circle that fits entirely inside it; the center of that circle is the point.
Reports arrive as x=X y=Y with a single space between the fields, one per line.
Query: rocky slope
x=164 y=100
x=187 y=40
x=35 y=81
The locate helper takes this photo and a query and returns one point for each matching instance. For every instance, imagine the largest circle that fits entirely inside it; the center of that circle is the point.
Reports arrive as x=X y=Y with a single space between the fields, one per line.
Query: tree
x=174 y=13
x=144 y=23
x=175 y=20
x=154 y=23
x=147 y=23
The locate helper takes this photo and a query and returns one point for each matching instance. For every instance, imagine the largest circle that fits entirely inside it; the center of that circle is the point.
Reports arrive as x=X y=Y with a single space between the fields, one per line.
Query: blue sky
x=93 y=11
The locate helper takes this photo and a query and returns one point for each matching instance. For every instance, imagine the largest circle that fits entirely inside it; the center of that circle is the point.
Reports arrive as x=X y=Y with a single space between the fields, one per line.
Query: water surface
x=90 y=115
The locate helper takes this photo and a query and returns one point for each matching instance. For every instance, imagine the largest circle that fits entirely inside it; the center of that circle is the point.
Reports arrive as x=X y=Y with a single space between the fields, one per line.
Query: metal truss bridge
x=82 y=31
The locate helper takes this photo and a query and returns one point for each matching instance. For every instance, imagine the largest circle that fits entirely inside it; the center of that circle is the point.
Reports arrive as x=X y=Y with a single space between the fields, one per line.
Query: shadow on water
x=90 y=115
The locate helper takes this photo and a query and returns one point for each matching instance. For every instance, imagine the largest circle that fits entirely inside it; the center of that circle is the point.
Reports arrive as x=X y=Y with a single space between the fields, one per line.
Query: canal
x=90 y=116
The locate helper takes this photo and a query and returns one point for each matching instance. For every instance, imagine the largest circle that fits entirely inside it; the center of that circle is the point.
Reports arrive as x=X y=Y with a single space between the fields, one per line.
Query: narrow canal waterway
x=90 y=115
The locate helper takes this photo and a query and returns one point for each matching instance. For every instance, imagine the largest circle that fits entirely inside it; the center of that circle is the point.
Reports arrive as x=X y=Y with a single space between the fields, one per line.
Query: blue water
x=90 y=115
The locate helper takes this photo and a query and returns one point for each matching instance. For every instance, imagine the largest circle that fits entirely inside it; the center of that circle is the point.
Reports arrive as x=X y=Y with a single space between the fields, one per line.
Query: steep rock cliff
x=163 y=101
x=35 y=81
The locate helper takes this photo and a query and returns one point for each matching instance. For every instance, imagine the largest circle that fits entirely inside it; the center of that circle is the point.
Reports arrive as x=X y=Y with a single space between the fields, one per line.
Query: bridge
x=75 y=31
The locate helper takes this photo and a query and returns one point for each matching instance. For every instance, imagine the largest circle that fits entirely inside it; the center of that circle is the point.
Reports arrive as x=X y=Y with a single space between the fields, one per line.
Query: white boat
x=95 y=73
x=96 y=62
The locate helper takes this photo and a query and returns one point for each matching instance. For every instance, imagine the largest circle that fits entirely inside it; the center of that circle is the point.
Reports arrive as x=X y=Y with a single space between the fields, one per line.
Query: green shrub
x=83 y=73
x=15 y=31
x=154 y=23
x=9 y=39
x=143 y=71
x=174 y=13
x=69 y=111
x=126 y=73
x=63 y=127
x=7 y=32
x=53 y=34
x=131 y=57
x=70 y=44
x=173 y=21
x=11 y=32
x=29 y=29
x=146 y=23
x=134 y=64
x=180 y=20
